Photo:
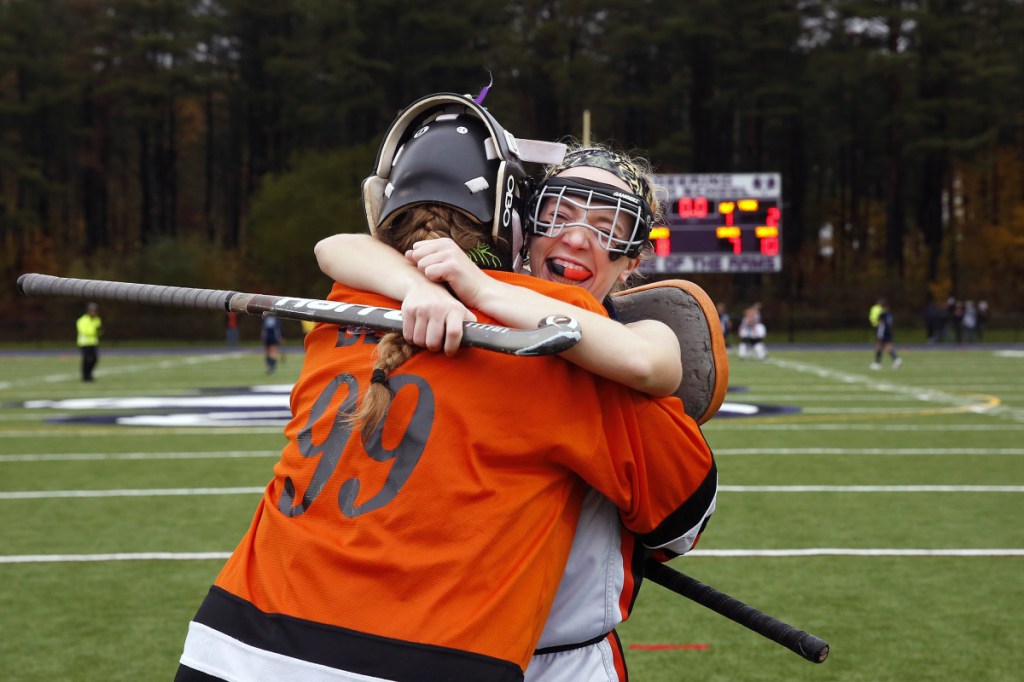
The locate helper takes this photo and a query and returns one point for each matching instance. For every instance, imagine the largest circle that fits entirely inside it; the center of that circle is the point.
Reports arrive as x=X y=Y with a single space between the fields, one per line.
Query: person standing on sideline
x=982 y=319
x=723 y=316
x=875 y=312
x=970 y=322
x=271 y=341
x=883 y=337
x=89 y=327
x=752 y=332
x=231 y=328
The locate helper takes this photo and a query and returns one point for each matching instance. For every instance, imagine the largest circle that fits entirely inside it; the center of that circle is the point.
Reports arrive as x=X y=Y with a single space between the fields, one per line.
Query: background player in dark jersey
x=883 y=318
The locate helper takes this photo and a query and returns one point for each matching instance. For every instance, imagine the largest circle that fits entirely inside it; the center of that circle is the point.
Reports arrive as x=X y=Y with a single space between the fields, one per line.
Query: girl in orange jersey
x=582 y=235
x=430 y=546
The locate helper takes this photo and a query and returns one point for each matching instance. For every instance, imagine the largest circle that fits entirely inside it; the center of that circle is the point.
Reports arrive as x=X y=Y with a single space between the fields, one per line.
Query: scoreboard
x=724 y=222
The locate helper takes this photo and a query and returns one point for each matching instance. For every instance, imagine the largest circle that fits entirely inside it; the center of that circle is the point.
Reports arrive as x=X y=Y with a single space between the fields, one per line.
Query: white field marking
x=697 y=553
x=1009 y=353
x=163 y=492
x=141 y=556
x=241 y=400
x=959 y=403
x=896 y=452
x=874 y=382
x=145 y=492
x=828 y=388
x=147 y=456
x=126 y=369
x=756 y=397
x=916 y=412
x=738 y=424
x=900 y=411
x=840 y=551
x=871 y=488
x=115 y=430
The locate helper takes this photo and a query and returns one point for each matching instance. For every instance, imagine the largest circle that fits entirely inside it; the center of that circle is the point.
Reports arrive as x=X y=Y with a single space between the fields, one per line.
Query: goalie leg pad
x=690 y=313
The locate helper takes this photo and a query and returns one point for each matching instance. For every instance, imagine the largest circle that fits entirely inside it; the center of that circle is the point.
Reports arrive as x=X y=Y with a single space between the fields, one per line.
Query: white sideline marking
x=919 y=393
x=697 y=553
x=146 y=492
x=840 y=551
x=259 y=454
x=115 y=430
x=147 y=367
x=738 y=424
x=147 y=456
x=163 y=492
x=871 y=488
x=868 y=451
x=143 y=556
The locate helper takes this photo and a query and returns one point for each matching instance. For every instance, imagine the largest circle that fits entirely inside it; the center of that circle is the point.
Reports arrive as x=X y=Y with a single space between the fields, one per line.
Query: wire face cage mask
x=621 y=221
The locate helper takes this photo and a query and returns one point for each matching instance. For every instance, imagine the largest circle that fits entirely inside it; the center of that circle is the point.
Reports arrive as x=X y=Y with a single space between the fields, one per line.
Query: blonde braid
x=418 y=223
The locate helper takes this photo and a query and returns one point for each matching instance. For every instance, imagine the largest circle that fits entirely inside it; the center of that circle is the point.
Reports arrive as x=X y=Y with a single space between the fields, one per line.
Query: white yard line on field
x=117 y=430
x=840 y=551
x=143 y=492
x=164 y=492
x=126 y=369
x=138 y=556
x=897 y=452
x=259 y=454
x=804 y=426
x=697 y=553
x=871 y=488
x=146 y=456
x=968 y=403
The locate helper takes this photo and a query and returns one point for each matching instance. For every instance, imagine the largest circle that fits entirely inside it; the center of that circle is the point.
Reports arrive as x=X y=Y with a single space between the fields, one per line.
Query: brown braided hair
x=418 y=223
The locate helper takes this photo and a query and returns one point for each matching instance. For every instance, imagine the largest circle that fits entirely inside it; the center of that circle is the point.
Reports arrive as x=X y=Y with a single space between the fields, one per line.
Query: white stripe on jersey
x=217 y=654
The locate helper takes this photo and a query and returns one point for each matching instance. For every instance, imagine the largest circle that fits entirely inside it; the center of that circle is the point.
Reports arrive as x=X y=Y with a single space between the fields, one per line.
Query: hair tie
x=379 y=376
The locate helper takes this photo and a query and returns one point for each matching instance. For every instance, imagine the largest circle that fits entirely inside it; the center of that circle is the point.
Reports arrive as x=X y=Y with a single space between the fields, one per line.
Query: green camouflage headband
x=620 y=166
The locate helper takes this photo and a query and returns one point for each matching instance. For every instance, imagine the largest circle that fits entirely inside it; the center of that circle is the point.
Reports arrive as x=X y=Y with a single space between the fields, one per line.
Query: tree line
x=212 y=142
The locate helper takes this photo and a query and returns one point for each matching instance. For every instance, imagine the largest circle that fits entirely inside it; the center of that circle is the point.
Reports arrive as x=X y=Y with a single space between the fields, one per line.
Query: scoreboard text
x=724 y=222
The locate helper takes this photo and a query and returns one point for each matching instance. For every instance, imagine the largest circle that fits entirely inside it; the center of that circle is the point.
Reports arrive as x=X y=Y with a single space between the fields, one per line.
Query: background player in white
x=752 y=332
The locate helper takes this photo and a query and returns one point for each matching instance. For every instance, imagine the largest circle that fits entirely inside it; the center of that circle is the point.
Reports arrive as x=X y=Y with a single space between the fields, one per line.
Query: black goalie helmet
x=447 y=149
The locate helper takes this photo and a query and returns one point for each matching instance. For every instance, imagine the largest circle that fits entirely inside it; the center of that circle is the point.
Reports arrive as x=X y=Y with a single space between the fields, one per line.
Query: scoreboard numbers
x=724 y=222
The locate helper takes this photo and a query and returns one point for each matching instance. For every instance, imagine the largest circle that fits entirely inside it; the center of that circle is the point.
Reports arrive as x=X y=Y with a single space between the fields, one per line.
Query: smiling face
x=576 y=255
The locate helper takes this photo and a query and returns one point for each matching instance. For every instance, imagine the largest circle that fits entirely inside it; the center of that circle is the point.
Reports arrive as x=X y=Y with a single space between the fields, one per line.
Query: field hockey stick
x=554 y=334
x=808 y=646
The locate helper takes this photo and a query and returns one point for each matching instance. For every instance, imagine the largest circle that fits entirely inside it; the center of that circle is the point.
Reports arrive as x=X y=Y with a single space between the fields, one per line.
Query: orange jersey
x=435 y=552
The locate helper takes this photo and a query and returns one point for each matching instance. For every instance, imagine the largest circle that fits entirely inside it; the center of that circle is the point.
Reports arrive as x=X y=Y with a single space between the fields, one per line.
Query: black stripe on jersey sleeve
x=688 y=515
x=344 y=649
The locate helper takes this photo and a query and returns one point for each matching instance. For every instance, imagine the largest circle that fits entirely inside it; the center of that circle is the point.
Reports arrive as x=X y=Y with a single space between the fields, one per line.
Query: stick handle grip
x=34 y=284
x=804 y=644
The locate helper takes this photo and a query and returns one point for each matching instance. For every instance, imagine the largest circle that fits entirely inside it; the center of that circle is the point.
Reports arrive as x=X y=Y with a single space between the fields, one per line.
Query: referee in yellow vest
x=89 y=329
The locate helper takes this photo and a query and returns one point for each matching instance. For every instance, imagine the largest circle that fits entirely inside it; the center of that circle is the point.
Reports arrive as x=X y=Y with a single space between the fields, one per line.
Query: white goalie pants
x=592 y=663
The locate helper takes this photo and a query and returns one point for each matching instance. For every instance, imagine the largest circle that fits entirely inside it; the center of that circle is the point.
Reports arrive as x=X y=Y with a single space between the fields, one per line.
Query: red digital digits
x=692 y=207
